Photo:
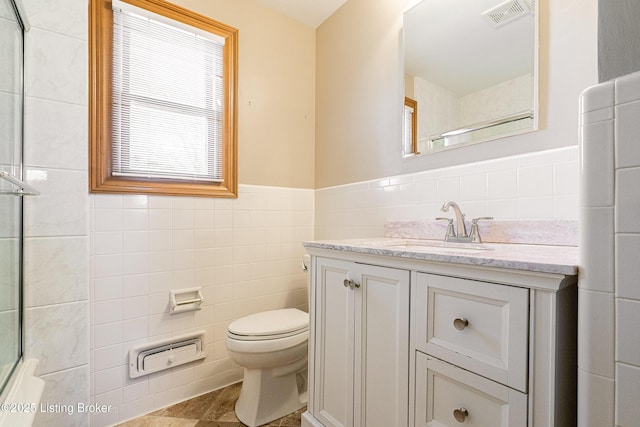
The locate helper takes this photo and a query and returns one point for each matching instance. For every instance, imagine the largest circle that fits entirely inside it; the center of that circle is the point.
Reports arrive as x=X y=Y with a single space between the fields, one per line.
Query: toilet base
x=268 y=394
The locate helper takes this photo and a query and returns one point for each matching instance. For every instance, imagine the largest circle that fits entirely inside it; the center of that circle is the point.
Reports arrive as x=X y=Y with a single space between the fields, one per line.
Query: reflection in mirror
x=410 y=125
x=471 y=67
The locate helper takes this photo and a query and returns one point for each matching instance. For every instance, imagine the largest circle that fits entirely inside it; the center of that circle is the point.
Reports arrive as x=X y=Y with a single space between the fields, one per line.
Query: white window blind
x=167 y=99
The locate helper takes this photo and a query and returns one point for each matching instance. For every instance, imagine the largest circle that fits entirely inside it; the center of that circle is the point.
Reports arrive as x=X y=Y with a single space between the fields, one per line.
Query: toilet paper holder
x=182 y=300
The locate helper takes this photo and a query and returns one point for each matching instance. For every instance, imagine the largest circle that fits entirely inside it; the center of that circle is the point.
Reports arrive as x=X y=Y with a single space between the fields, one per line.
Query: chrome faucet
x=461 y=231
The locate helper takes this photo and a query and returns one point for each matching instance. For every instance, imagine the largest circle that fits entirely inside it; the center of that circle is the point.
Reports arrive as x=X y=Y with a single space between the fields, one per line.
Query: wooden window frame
x=413 y=104
x=101 y=179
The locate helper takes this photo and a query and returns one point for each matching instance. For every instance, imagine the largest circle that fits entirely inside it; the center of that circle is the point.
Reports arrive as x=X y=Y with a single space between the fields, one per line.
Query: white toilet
x=272 y=348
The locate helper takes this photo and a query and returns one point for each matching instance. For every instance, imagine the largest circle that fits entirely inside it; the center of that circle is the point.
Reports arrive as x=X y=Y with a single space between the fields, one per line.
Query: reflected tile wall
x=244 y=253
x=56 y=222
x=540 y=185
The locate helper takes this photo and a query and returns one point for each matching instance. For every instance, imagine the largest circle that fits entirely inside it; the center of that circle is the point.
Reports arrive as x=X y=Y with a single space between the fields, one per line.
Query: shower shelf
x=25 y=189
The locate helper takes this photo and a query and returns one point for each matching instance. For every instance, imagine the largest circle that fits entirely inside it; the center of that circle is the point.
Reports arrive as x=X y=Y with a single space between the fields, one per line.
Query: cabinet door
x=333 y=347
x=361 y=348
x=447 y=396
x=382 y=347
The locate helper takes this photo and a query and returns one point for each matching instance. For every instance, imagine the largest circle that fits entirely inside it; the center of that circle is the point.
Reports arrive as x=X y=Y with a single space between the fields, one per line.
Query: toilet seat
x=269 y=325
x=257 y=346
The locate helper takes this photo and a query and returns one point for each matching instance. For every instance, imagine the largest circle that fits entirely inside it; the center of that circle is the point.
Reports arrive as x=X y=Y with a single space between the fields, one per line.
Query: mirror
x=471 y=69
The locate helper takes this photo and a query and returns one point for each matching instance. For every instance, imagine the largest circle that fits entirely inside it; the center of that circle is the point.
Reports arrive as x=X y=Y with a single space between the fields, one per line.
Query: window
x=162 y=100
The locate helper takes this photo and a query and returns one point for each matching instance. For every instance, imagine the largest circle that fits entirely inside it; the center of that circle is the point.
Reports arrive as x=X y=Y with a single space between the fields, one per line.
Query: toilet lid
x=270 y=323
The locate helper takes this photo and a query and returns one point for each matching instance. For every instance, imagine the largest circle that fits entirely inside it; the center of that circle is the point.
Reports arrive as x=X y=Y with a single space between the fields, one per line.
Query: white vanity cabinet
x=431 y=342
x=359 y=345
x=494 y=348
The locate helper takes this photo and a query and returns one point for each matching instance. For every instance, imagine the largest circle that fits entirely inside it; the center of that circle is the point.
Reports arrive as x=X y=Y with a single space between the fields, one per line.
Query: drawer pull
x=460 y=323
x=460 y=414
x=346 y=283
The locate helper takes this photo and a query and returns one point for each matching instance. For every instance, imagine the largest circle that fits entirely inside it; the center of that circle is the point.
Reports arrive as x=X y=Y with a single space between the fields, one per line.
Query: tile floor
x=213 y=409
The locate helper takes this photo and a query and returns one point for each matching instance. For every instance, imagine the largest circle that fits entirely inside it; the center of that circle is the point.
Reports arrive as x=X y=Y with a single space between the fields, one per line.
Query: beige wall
x=276 y=93
x=359 y=81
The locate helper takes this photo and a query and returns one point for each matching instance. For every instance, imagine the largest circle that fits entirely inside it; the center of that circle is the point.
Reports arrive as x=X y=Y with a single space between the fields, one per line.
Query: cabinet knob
x=460 y=414
x=351 y=284
x=460 y=323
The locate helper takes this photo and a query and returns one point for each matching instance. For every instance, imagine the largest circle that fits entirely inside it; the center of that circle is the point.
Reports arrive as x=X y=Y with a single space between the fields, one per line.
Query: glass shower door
x=11 y=188
x=10 y=292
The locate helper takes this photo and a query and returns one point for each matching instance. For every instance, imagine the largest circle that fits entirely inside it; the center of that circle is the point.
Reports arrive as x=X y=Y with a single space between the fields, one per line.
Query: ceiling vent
x=508 y=11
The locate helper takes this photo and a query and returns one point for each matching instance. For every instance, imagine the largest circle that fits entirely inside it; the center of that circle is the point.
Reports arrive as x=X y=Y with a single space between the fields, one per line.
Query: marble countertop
x=528 y=257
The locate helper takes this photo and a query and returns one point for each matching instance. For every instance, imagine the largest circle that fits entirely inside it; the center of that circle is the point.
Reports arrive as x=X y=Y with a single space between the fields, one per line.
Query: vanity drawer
x=444 y=391
x=479 y=326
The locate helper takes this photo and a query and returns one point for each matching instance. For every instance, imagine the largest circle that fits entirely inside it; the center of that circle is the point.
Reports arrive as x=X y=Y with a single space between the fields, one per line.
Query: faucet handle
x=475 y=233
x=482 y=218
x=450 y=230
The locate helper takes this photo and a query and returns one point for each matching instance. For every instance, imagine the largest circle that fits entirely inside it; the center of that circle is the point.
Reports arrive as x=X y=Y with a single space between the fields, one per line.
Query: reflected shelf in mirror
x=479 y=132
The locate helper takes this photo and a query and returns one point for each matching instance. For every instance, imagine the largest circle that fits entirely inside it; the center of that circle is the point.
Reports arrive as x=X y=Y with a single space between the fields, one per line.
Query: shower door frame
x=23 y=189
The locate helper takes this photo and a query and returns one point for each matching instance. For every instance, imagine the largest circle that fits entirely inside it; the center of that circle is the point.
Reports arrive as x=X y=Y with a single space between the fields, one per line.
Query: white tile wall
x=596 y=316
x=627 y=259
x=533 y=186
x=598 y=222
x=610 y=248
x=244 y=253
x=595 y=400
x=627 y=331
x=56 y=222
x=66 y=389
x=627 y=392
x=627 y=200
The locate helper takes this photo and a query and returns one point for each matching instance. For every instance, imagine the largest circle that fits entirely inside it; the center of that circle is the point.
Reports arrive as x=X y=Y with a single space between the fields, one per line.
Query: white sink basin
x=438 y=246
